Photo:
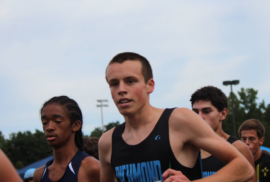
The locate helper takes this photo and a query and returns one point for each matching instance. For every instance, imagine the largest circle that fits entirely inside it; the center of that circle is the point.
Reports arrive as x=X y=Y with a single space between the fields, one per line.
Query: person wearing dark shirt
x=210 y=103
x=138 y=149
x=252 y=133
x=62 y=121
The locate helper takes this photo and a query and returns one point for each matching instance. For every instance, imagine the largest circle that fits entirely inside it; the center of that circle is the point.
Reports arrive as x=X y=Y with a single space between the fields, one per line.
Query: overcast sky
x=51 y=48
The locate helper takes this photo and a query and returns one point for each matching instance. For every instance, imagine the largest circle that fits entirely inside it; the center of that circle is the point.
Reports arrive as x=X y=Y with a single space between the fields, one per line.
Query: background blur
x=51 y=48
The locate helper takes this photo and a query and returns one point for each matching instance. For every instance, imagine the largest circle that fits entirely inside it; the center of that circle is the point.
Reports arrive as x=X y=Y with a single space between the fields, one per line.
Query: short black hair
x=131 y=56
x=74 y=112
x=212 y=94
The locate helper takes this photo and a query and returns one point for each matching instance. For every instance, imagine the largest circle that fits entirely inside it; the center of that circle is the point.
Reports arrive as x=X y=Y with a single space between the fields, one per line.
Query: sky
x=51 y=48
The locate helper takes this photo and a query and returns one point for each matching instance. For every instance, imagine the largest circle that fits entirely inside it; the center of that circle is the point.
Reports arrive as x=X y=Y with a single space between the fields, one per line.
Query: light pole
x=233 y=82
x=102 y=105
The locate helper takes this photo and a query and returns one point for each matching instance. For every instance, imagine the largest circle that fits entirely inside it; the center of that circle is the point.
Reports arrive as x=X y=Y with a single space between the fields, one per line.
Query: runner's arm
x=7 y=171
x=37 y=174
x=105 y=147
x=244 y=150
x=198 y=133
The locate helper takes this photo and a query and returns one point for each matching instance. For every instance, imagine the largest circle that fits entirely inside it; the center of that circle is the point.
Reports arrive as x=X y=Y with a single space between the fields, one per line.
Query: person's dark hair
x=252 y=124
x=131 y=56
x=90 y=146
x=74 y=113
x=212 y=94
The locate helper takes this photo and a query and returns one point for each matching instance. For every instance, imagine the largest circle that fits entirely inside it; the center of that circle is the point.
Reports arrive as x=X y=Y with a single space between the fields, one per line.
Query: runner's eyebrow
x=57 y=116
x=206 y=109
x=113 y=80
x=54 y=115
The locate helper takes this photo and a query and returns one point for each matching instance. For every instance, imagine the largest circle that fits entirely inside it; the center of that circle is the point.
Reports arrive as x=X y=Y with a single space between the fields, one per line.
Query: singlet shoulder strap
x=117 y=133
x=232 y=139
x=167 y=113
x=75 y=163
x=45 y=171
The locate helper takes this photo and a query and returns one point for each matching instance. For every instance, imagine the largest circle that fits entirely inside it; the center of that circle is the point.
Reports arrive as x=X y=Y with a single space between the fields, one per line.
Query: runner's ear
x=261 y=140
x=223 y=113
x=76 y=125
x=150 y=85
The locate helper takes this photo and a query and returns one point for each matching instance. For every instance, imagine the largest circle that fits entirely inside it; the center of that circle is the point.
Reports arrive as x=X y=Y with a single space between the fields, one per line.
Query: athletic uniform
x=211 y=165
x=146 y=161
x=71 y=173
x=262 y=166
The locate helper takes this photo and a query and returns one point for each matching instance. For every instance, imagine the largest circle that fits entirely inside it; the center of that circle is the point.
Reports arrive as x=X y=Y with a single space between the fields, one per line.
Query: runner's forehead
x=249 y=133
x=201 y=104
x=123 y=70
x=53 y=110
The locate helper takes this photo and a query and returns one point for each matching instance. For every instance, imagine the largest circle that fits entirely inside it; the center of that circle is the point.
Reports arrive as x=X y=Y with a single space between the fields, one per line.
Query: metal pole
x=102 y=127
x=101 y=105
x=233 y=116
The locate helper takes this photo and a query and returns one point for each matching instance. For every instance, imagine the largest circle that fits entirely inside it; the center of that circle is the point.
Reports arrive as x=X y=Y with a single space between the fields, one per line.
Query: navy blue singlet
x=71 y=173
x=146 y=161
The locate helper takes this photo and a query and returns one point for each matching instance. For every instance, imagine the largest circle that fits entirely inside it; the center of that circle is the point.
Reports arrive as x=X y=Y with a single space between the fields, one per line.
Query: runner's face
x=209 y=113
x=252 y=140
x=56 y=125
x=128 y=88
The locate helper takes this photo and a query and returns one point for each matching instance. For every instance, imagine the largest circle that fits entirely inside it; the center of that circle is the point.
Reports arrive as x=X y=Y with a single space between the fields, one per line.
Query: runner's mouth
x=123 y=101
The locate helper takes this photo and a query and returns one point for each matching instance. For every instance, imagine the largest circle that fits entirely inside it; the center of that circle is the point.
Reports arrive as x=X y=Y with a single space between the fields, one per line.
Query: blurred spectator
x=28 y=175
x=252 y=133
x=90 y=146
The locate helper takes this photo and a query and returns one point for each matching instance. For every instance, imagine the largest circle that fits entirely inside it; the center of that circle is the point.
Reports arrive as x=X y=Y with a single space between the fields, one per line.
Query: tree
x=24 y=148
x=2 y=140
x=97 y=132
x=247 y=107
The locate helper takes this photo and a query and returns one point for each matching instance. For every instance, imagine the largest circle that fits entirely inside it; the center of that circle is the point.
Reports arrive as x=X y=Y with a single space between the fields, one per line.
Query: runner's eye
x=113 y=84
x=206 y=111
x=130 y=81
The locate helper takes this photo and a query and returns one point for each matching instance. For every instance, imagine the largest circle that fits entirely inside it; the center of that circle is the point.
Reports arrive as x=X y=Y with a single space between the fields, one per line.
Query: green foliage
x=97 y=132
x=2 y=140
x=19 y=165
x=247 y=107
x=24 y=148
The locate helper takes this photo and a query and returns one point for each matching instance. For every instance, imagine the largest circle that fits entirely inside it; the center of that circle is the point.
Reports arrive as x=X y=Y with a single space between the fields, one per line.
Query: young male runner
x=211 y=104
x=62 y=125
x=252 y=133
x=153 y=141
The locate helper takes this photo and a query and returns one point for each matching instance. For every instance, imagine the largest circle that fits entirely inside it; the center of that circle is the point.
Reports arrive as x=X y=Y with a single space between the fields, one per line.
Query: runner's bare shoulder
x=38 y=173
x=91 y=167
x=181 y=116
x=105 y=141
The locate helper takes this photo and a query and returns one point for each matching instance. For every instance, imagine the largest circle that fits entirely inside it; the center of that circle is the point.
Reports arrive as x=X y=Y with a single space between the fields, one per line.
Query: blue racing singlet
x=71 y=173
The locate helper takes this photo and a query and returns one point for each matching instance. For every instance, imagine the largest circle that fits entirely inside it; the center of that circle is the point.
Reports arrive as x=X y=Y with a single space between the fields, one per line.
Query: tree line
x=246 y=106
x=24 y=148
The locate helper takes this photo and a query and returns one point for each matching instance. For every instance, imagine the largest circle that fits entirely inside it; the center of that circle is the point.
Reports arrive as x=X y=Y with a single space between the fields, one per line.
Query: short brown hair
x=90 y=146
x=252 y=124
x=131 y=56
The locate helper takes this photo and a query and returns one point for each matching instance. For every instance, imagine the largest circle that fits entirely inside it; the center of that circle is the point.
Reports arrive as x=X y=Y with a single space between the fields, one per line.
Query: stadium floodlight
x=101 y=105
